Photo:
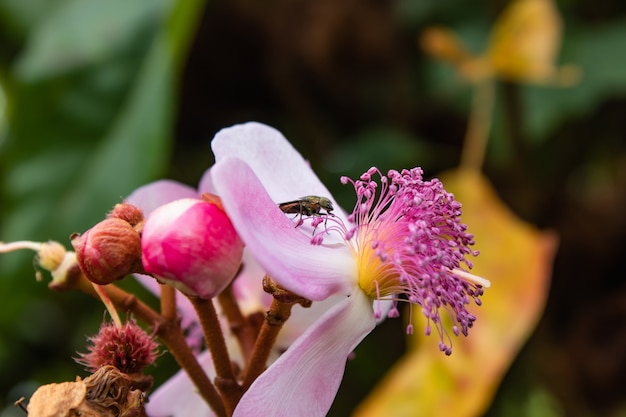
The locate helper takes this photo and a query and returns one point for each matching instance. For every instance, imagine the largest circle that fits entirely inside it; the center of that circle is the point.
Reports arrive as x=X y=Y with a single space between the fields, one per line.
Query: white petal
x=301 y=318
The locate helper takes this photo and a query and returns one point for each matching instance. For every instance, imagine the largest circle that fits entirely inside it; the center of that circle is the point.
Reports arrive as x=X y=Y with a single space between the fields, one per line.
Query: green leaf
x=595 y=51
x=79 y=141
x=80 y=33
x=80 y=136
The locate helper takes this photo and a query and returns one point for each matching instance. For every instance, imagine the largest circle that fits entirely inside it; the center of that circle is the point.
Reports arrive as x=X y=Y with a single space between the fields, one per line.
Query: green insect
x=310 y=205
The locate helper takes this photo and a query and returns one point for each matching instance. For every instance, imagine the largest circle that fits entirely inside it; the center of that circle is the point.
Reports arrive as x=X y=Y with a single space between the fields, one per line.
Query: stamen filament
x=474 y=279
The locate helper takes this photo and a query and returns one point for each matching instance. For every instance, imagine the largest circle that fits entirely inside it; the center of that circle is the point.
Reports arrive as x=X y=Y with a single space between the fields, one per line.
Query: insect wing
x=291 y=206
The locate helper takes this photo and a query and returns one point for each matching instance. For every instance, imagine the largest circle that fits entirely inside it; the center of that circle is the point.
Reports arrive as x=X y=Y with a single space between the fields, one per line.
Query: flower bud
x=108 y=251
x=192 y=245
x=128 y=212
x=128 y=347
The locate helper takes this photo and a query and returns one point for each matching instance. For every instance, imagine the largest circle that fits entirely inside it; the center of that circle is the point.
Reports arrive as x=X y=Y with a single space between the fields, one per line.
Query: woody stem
x=225 y=381
x=276 y=317
x=168 y=302
x=170 y=332
x=240 y=326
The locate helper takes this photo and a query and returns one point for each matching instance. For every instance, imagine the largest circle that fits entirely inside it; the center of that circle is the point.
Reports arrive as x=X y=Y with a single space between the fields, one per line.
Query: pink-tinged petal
x=284 y=251
x=206 y=183
x=248 y=286
x=252 y=299
x=284 y=173
x=303 y=382
x=178 y=397
x=155 y=194
x=302 y=318
x=382 y=309
x=150 y=283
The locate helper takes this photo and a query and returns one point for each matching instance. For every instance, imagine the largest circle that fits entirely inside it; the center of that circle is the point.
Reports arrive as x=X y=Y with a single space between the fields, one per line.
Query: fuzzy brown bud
x=108 y=251
x=128 y=347
x=132 y=214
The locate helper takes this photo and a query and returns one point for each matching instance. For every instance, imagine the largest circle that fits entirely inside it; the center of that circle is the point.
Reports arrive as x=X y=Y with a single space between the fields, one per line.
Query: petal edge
x=303 y=382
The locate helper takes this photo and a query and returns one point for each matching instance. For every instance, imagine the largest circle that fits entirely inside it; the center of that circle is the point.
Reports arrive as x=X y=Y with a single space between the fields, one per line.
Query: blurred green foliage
x=90 y=88
x=103 y=96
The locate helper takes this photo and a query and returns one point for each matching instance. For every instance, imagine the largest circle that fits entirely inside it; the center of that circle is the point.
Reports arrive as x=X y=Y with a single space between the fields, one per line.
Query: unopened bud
x=128 y=347
x=108 y=251
x=192 y=245
x=128 y=212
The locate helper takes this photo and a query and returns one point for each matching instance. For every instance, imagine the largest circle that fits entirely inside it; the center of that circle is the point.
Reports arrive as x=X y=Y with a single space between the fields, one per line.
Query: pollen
x=378 y=276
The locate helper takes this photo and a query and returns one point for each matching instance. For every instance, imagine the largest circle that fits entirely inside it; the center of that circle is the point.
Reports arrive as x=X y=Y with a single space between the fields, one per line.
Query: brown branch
x=172 y=335
x=225 y=381
x=240 y=326
x=274 y=321
x=168 y=302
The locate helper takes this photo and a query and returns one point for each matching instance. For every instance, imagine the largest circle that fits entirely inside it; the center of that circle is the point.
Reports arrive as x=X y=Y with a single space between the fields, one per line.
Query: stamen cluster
x=411 y=247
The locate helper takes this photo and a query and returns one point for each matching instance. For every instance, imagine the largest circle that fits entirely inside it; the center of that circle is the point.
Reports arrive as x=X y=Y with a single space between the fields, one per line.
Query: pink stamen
x=413 y=228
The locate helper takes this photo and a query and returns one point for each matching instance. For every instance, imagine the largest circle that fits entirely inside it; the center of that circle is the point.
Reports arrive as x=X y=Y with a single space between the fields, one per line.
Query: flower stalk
x=168 y=302
x=276 y=317
x=479 y=125
x=226 y=382
x=240 y=326
x=104 y=297
x=170 y=332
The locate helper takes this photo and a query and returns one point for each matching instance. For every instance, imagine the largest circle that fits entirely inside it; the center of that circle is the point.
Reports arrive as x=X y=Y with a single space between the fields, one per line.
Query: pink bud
x=192 y=245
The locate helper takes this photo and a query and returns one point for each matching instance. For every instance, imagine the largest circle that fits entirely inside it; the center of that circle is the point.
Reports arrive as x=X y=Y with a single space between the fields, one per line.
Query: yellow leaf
x=523 y=47
x=517 y=258
x=525 y=41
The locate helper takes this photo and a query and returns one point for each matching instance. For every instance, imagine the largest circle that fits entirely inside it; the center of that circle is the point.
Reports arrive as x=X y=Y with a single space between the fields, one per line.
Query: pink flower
x=191 y=245
x=403 y=242
x=177 y=396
